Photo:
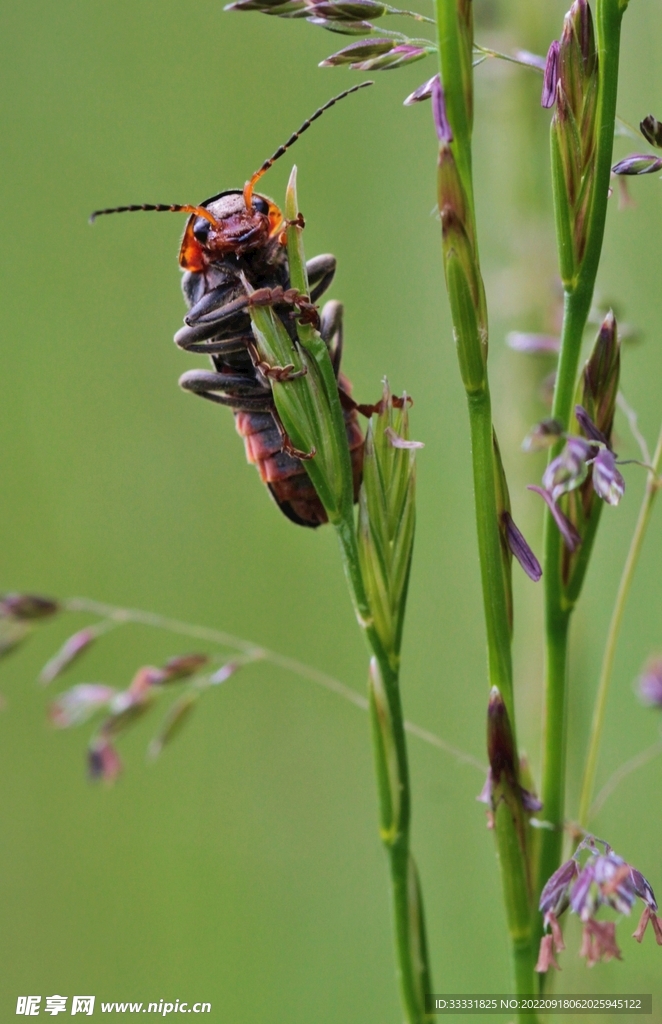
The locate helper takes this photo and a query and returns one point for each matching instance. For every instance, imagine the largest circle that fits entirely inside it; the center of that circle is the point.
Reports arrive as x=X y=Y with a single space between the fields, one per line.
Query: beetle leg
x=211 y=301
x=277 y=373
x=193 y=339
x=350 y=405
x=331 y=329
x=234 y=390
x=220 y=313
x=286 y=443
x=321 y=271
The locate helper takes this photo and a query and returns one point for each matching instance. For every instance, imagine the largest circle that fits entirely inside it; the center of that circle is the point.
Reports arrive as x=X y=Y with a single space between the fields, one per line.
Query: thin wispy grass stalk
x=653 y=484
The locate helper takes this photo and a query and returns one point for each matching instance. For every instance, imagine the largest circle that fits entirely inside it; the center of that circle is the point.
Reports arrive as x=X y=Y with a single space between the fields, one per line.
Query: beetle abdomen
x=286 y=477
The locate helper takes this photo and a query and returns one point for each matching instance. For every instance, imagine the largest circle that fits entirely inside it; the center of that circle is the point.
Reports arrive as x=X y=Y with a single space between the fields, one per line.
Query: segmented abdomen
x=286 y=477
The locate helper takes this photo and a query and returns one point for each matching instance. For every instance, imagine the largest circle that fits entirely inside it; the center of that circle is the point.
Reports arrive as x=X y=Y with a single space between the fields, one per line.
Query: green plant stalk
x=455 y=51
x=390 y=757
x=578 y=291
x=600 y=707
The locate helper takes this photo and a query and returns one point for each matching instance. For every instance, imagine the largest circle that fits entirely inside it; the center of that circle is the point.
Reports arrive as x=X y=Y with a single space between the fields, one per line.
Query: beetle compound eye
x=260 y=204
x=201 y=230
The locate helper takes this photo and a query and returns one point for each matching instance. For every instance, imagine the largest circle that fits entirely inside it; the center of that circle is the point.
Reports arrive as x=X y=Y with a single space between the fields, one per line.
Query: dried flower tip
x=403 y=53
x=648 y=915
x=546 y=958
x=27 y=606
x=441 y=122
x=550 y=75
x=650 y=683
x=651 y=129
x=75 y=706
x=608 y=482
x=68 y=653
x=599 y=942
x=103 y=761
x=361 y=50
x=571 y=538
x=589 y=427
x=399 y=442
x=182 y=666
x=638 y=163
x=422 y=93
x=534 y=344
x=542 y=436
x=521 y=549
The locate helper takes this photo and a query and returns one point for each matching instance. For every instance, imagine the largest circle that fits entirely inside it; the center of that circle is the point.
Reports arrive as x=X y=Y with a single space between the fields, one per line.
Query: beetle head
x=229 y=227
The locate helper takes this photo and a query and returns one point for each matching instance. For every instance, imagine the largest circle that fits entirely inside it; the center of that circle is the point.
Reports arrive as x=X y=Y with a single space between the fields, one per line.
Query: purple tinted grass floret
x=441 y=122
x=650 y=683
x=604 y=880
x=550 y=76
x=638 y=163
x=520 y=548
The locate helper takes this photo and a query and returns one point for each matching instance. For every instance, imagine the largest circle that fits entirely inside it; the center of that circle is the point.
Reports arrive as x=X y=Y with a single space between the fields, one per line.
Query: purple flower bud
x=69 y=651
x=224 y=672
x=651 y=129
x=441 y=122
x=182 y=666
x=588 y=426
x=361 y=50
x=534 y=344
x=571 y=538
x=608 y=482
x=650 y=683
x=403 y=53
x=569 y=469
x=584 y=899
x=638 y=163
x=346 y=10
x=422 y=93
x=555 y=896
x=550 y=76
x=500 y=743
x=342 y=28
x=520 y=548
x=279 y=8
x=27 y=606
x=542 y=436
x=643 y=888
x=103 y=761
x=76 y=705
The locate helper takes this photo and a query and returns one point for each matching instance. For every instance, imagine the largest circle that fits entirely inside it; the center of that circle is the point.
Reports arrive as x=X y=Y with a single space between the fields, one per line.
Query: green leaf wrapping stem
x=579 y=281
x=377 y=571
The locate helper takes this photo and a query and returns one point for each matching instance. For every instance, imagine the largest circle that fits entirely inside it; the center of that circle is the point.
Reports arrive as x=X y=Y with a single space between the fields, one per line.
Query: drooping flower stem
x=578 y=287
x=453 y=112
x=600 y=707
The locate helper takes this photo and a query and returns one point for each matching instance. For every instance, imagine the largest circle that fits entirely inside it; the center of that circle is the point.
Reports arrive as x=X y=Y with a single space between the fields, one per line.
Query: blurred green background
x=244 y=867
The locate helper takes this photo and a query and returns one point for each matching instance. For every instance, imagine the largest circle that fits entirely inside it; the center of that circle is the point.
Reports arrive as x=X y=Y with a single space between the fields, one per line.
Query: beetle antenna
x=249 y=186
x=158 y=208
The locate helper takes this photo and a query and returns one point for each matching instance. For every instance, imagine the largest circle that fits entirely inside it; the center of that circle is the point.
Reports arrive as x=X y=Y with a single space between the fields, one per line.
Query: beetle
x=241 y=232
